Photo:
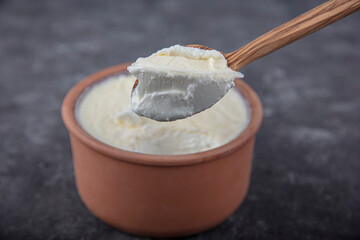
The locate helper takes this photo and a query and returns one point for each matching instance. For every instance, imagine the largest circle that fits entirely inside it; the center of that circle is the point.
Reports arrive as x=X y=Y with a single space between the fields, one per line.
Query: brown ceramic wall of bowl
x=160 y=195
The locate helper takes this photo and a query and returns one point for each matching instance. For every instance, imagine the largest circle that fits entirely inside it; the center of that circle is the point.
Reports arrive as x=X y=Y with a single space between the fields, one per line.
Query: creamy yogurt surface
x=104 y=112
x=178 y=81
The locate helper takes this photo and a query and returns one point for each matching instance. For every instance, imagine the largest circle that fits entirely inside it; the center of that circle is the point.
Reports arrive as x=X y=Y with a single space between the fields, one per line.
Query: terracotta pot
x=160 y=195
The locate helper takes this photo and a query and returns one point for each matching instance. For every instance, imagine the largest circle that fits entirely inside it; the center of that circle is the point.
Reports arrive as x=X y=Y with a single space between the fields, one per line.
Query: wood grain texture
x=295 y=29
x=291 y=31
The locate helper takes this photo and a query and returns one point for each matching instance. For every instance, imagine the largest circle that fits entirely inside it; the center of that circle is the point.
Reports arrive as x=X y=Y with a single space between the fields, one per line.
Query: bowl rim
x=68 y=115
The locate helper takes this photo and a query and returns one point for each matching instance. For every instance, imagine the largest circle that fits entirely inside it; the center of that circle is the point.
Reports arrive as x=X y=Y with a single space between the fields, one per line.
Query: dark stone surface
x=306 y=172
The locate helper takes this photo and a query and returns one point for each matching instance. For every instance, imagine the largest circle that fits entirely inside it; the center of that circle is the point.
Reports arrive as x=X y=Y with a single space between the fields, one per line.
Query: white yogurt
x=177 y=82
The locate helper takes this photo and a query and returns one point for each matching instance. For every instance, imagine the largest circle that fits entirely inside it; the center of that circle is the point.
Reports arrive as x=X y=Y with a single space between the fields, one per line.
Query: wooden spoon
x=279 y=37
x=295 y=29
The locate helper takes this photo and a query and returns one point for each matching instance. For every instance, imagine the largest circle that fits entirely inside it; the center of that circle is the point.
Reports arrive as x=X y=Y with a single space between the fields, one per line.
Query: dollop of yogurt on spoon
x=178 y=82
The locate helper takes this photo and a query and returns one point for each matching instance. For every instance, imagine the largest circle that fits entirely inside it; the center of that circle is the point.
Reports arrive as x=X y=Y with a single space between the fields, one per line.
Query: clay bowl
x=160 y=195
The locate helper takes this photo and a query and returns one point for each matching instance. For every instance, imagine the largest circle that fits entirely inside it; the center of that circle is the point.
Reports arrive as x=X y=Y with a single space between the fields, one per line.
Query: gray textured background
x=306 y=172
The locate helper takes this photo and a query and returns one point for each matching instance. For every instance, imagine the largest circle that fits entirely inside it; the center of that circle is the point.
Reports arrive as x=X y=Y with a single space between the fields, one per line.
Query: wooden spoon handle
x=291 y=31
